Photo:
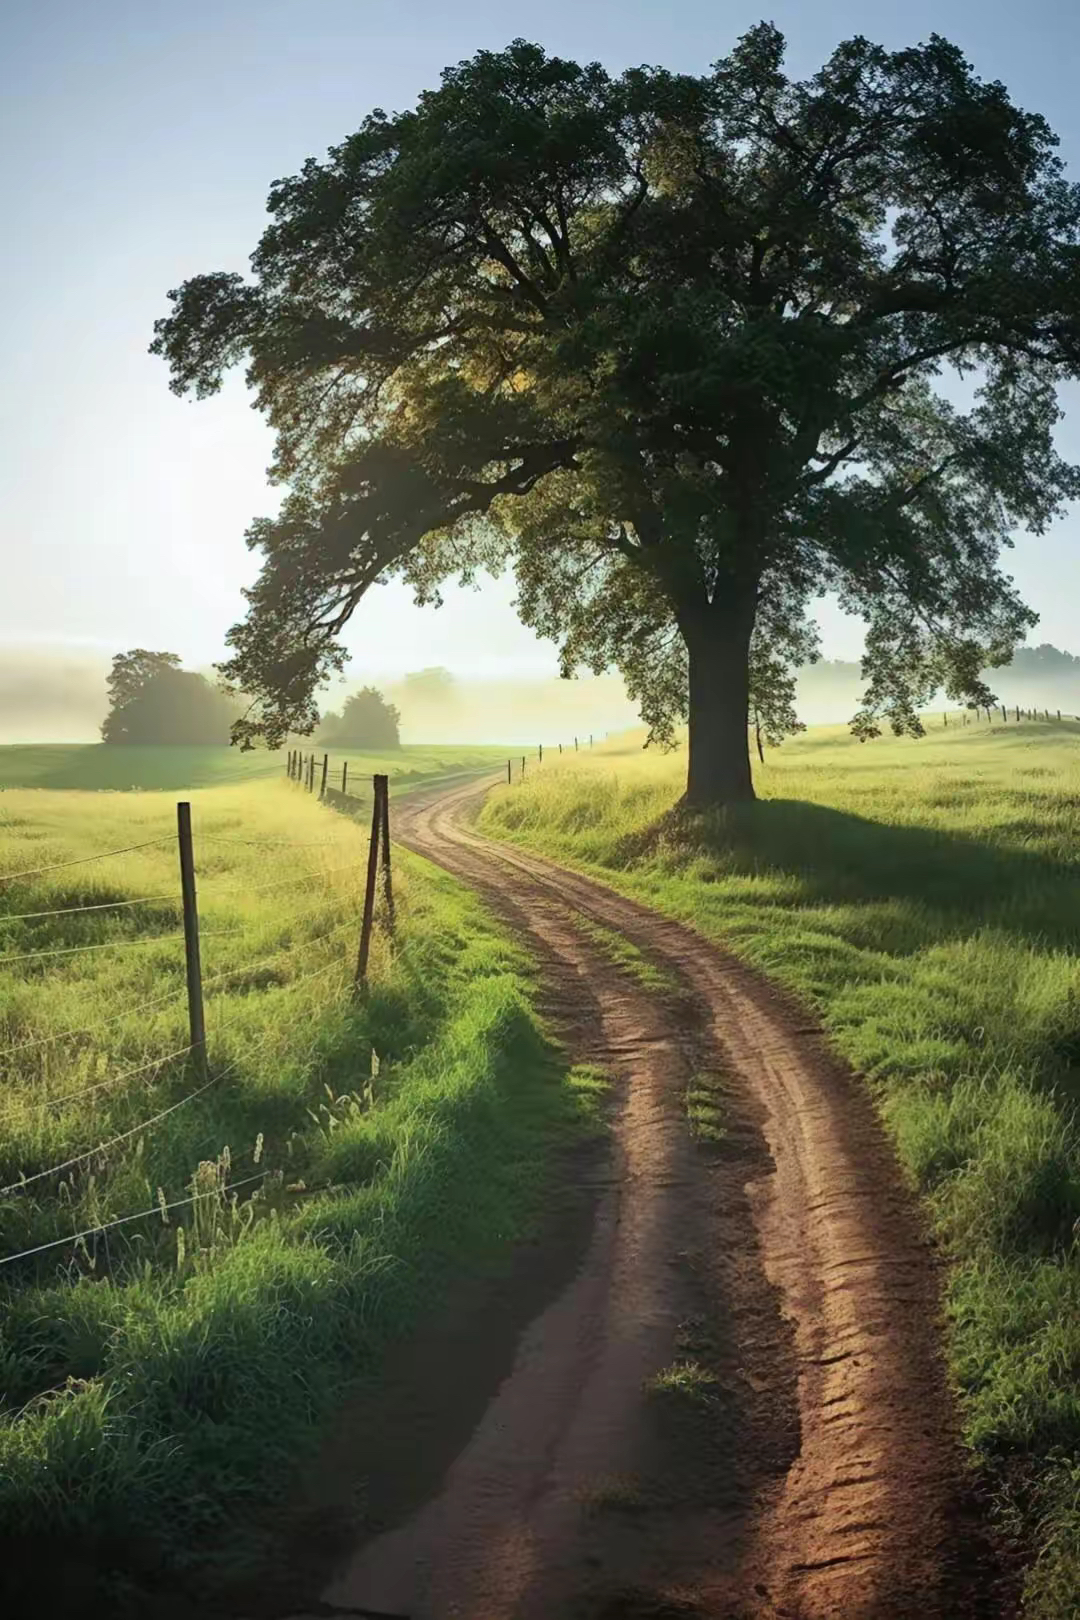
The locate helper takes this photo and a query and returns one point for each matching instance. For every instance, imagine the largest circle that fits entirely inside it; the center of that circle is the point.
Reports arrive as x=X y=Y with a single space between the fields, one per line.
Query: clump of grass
x=626 y=955
x=705 y=1108
x=922 y=897
x=684 y=1380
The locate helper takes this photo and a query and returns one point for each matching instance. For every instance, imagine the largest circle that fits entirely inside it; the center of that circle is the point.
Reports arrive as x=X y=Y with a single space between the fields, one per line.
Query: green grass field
x=924 y=896
x=162 y=1376
x=91 y=766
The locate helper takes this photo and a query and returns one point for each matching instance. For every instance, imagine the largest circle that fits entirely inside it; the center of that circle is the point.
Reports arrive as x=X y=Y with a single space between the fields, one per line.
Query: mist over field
x=50 y=695
x=58 y=695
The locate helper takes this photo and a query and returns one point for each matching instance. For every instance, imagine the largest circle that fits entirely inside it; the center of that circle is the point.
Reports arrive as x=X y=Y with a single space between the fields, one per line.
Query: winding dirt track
x=807 y=1466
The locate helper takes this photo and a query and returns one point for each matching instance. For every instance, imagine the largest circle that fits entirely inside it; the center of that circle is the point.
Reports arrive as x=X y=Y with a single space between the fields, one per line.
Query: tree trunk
x=717 y=640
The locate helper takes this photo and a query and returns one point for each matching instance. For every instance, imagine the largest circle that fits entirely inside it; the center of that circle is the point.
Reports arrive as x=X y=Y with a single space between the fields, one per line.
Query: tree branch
x=832 y=462
x=501 y=253
x=899 y=499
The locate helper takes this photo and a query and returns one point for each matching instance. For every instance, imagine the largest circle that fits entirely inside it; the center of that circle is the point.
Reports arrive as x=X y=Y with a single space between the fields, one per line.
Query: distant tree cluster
x=1045 y=660
x=366 y=720
x=153 y=701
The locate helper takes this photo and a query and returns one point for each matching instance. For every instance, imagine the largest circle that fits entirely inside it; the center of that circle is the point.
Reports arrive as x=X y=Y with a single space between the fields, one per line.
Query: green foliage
x=922 y=895
x=366 y=720
x=153 y=701
x=670 y=343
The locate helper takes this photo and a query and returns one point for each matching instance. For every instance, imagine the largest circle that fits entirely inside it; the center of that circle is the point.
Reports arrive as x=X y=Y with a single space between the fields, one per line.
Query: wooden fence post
x=508 y=777
x=382 y=792
x=196 y=1022
x=344 y=775
x=575 y=745
x=1004 y=713
x=540 y=753
x=560 y=748
x=523 y=767
x=325 y=768
x=369 y=894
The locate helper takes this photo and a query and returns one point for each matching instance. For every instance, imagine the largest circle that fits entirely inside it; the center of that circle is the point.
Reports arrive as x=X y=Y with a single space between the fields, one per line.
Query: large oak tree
x=671 y=346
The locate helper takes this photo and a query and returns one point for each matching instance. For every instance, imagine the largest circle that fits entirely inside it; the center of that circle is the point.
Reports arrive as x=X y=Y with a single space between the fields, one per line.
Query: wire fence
x=193 y=1058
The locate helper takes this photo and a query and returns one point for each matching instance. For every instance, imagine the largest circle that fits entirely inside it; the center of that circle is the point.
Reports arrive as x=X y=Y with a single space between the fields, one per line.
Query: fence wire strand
x=99 y=1023
x=113 y=1141
x=116 y=945
x=82 y=860
x=102 y=905
x=271 y=843
x=286 y=950
x=284 y=883
x=125 y=1220
x=102 y=1085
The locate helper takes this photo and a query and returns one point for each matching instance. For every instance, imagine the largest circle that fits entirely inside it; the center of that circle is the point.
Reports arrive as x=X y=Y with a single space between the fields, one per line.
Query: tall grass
x=162 y=1377
x=924 y=896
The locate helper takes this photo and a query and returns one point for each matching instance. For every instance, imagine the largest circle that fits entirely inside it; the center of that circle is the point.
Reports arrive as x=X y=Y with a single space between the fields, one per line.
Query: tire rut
x=808 y=1465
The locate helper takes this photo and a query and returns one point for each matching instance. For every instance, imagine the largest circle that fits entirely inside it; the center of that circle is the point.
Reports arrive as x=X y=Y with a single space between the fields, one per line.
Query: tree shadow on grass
x=956 y=882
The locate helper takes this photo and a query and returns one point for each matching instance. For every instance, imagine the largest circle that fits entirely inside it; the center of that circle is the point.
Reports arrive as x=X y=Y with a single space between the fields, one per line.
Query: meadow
x=924 y=897
x=192 y=1274
x=91 y=766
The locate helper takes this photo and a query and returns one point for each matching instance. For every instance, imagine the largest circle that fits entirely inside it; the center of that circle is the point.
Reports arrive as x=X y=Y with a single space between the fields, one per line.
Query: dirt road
x=736 y=1405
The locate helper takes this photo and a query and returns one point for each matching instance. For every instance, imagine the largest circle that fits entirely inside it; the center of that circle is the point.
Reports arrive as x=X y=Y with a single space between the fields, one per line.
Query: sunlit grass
x=93 y=766
x=162 y=1377
x=924 y=897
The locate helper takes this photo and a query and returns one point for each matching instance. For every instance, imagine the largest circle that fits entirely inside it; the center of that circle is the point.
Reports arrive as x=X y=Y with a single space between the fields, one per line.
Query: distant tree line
x=366 y=720
x=1044 y=676
x=153 y=701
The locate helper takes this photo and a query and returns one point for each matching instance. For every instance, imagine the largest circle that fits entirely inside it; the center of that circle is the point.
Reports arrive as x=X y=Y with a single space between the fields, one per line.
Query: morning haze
x=124 y=509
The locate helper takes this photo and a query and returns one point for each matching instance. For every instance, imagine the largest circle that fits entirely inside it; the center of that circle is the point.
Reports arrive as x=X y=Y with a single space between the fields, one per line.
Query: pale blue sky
x=139 y=141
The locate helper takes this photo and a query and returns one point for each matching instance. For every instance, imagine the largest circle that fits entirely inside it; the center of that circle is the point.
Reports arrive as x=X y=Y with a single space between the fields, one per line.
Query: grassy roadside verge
x=924 y=897
x=163 y=1379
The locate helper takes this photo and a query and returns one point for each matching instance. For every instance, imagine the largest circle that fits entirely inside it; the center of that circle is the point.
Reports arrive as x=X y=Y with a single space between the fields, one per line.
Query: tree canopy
x=366 y=720
x=671 y=346
x=153 y=701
